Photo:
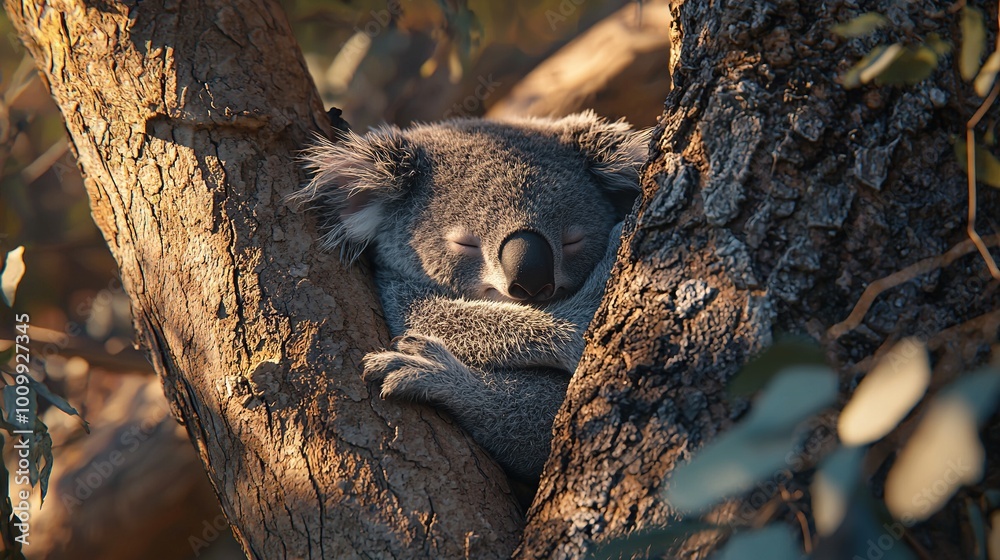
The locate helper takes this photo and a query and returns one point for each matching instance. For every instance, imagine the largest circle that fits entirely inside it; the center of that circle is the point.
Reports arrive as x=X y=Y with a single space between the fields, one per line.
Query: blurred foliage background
x=134 y=487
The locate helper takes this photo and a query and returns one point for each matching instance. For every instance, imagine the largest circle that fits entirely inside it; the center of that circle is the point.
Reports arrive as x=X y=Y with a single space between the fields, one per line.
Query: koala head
x=517 y=210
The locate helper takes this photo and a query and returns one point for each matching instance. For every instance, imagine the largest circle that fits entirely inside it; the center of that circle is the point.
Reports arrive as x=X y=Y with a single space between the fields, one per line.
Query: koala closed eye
x=464 y=243
x=573 y=241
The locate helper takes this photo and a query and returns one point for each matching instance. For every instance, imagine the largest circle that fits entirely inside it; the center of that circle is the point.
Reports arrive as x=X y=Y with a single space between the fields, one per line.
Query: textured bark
x=773 y=198
x=185 y=120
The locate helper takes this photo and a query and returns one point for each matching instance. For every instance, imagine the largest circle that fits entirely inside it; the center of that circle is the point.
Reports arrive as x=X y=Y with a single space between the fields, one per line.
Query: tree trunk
x=773 y=198
x=186 y=121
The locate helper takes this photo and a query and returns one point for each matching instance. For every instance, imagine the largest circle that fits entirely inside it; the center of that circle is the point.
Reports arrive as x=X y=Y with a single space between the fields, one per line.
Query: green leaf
x=980 y=390
x=987 y=166
x=650 y=542
x=867 y=522
x=973 y=42
x=873 y=64
x=913 y=65
x=726 y=467
x=887 y=394
x=945 y=450
x=795 y=394
x=758 y=446
x=762 y=368
x=944 y=453
x=774 y=542
x=860 y=26
x=896 y=64
x=833 y=487
x=987 y=75
x=13 y=271
x=56 y=400
x=935 y=43
x=42 y=450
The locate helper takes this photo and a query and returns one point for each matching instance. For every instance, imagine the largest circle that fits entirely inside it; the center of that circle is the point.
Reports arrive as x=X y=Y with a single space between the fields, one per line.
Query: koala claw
x=427 y=346
x=420 y=368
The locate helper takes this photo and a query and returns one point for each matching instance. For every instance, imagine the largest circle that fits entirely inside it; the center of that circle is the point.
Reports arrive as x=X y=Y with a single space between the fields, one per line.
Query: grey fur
x=420 y=199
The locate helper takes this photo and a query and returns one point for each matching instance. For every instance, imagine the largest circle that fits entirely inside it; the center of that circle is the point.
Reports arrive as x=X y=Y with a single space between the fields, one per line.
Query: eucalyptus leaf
x=973 y=42
x=935 y=43
x=796 y=394
x=763 y=367
x=867 y=532
x=911 y=66
x=59 y=402
x=833 y=486
x=980 y=390
x=726 y=467
x=887 y=394
x=775 y=542
x=42 y=453
x=943 y=454
x=987 y=75
x=871 y=65
x=860 y=26
x=13 y=271
x=650 y=541
x=987 y=166
x=757 y=448
x=35 y=454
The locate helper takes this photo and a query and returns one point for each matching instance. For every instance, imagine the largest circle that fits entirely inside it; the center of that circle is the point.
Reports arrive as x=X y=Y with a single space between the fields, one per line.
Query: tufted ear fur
x=353 y=180
x=614 y=152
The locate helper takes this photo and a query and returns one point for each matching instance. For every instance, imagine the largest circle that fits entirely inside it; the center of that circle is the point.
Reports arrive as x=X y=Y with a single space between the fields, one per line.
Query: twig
x=970 y=173
x=35 y=169
x=876 y=288
x=126 y=360
x=916 y=546
x=807 y=538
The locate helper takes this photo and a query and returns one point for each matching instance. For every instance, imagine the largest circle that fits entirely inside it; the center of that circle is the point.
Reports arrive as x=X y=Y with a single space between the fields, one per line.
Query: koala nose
x=527 y=262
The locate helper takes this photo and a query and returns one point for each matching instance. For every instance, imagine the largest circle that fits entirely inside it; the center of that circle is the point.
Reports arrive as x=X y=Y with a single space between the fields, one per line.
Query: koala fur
x=492 y=243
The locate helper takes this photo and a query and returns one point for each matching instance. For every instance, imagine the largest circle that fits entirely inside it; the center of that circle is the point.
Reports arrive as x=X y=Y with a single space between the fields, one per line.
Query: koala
x=491 y=244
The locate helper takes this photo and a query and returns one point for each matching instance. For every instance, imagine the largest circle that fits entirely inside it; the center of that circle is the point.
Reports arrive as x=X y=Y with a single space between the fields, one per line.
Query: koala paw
x=418 y=368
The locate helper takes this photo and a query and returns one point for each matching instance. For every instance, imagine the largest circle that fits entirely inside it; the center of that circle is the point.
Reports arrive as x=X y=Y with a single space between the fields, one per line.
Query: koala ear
x=353 y=180
x=614 y=152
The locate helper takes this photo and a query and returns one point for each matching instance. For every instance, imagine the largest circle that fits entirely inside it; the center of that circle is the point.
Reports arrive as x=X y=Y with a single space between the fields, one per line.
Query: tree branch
x=185 y=121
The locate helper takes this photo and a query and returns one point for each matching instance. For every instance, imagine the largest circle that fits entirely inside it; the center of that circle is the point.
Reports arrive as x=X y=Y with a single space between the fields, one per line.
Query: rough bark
x=773 y=198
x=185 y=120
